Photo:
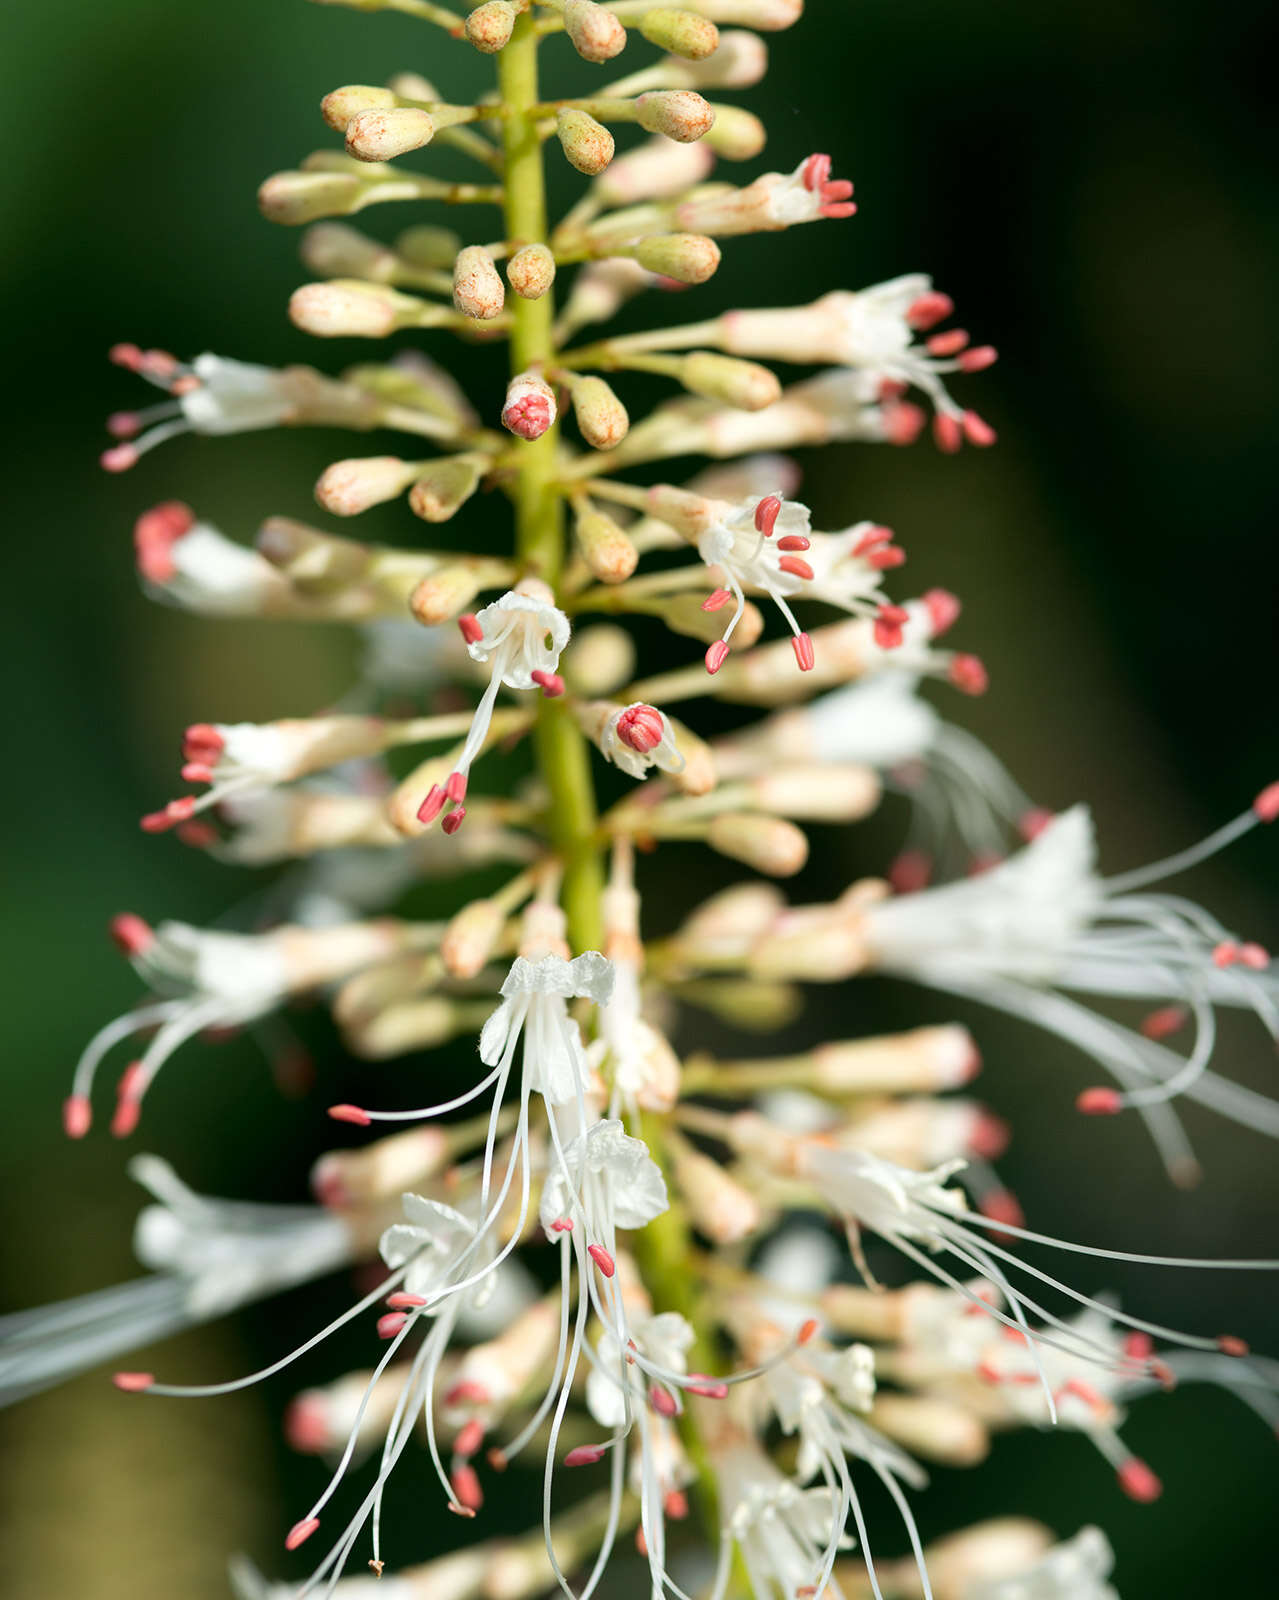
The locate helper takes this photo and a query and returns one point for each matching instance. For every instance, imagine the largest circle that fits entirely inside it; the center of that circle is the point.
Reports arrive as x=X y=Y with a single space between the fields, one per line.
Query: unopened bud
x=731 y=920
x=686 y=257
x=737 y=135
x=471 y=937
x=656 y=170
x=597 y=35
x=428 y=246
x=602 y=659
x=739 y=63
x=445 y=486
x=443 y=595
x=349 y=487
x=600 y=415
x=606 y=549
x=936 y=1429
x=587 y=143
x=924 y=1059
x=768 y=844
x=531 y=271
x=684 y=614
x=683 y=33
x=381 y=1171
x=377 y=135
x=770 y=15
x=340 y=105
x=744 y=384
x=412 y=1025
x=720 y=1207
x=334 y=250
x=700 y=773
x=822 y=947
x=489 y=26
x=681 y=114
x=347 y=309
x=755 y=1004
x=295 y=197
x=828 y=793
x=477 y=285
x=530 y=406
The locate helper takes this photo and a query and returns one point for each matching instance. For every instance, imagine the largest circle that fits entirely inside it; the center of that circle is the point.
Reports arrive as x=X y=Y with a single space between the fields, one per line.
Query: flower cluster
x=631 y=1263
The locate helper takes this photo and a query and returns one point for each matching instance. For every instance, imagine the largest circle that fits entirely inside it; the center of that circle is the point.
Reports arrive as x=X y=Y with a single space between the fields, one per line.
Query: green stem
x=539 y=512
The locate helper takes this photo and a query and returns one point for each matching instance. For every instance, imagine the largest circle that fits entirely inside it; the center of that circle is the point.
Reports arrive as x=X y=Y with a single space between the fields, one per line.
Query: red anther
x=986 y=1370
x=893 y=388
x=196 y=772
x=890 y=556
x=709 y=1388
x=662 y=1401
x=432 y=805
x=460 y=1510
x=978 y=431
x=155 y=822
x=640 y=728
x=943 y=610
x=1138 y=1346
x=641 y=1543
x=931 y=308
x=675 y=1505
x=496 y=1459
x=766 y=514
x=1099 y=1102
x=808 y=1330
x=203 y=742
x=185 y=385
x=130 y=934
x=1033 y=822
x=984 y=861
x=128 y=1111
x=1162 y=1024
x=1002 y=1205
x=127 y=1088
x=470 y=1436
x=1255 y=956
x=469 y=627
x=391 y=1323
x=1138 y=1482
x=896 y=614
x=405 y=1302
x=550 y=683
x=562 y=1225
x=969 y=675
x=181 y=809
x=796 y=566
x=978 y=358
x=466 y=1487
x=1225 y=954
x=873 y=536
x=133 y=1382
x=454 y=820
x=528 y=417
x=803 y=647
x=716 y=656
x=159 y=363
x=1163 y=1375
x=844 y=208
x=345 y=1113
x=300 y=1532
x=948 y=433
x=585 y=1455
x=77 y=1116
x=911 y=872
x=125 y=355
x=455 y=788
x=199 y=835
x=123 y=424
x=1266 y=805
x=903 y=422
x=1229 y=1345
x=990 y=1136
x=949 y=343
x=815 y=172
x=600 y=1256
x=888 y=635
x=717 y=599
x=468 y=1392
x=119 y=458
x=794 y=541
x=306 y=1425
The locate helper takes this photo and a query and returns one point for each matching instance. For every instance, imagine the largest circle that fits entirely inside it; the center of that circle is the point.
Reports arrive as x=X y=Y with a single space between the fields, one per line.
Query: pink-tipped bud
x=943 y=610
x=1138 y=1482
x=353 y=1114
x=530 y=406
x=1266 y=805
x=1099 y=1102
x=133 y=1382
x=969 y=675
x=300 y=1532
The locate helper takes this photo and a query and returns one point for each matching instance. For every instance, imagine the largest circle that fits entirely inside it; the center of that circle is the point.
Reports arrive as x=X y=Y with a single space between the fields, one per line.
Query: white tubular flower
x=534 y=1007
x=788 y=1537
x=644 y=1069
x=1075 y=1570
x=753 y=544
x=428 y=1245
x=662 y=1341
x=520 y=636
x=607 y=1180
x=191 y=564
x=639 y=737
x=209 y=1257
x=775 y=200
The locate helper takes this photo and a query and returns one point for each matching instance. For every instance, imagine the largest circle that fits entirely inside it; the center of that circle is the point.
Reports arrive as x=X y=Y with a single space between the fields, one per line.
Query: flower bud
x=348 y=487
x=686 y=257
x=489 y=26
x=601 y=288
x=531 y=271
x=828 y=793
x=477 y=286
x=348 y=309
x=936 y=1429
x=443 y=595
x=333 y=250
x=768 y=844
x=600 y=415
x=377 y=135
x=340 y=105
x=1006 y=1547
x=754 y=1004
x=683 y=33
x=656 y=170
x=427 y=245
x=381 y=1171
x=602 y=659
x=770 y=15
x=723 y=927
x=587 y=143
x=737 y=135
x=295 y=197
x=683 y=614
x=319 y=1421
x=744 y=384
x=445 y=486
x=471 y=937
x=420 y=1024
x=718 y=1205
x=681 y=114
x=700 y=773
x=924 y=1059
x=597 y=35
x=605 y=547
x=739 y=63
x=530 y=406
x=819 y=946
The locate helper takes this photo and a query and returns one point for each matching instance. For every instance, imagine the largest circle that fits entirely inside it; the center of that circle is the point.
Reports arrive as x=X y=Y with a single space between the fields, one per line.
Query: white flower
x=638 y=737
x=774 y=200
x=1075 y=1570
x=788 y=1537
x=661 y=1341
x=645 y=1070
x=608 y=1178
x=429 y=1244
x=520 y=636
x=534 y=1006
x=191 y=564
x=753 y=545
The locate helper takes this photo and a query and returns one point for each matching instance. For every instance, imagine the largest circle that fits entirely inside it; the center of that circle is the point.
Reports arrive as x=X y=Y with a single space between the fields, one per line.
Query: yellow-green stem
x=539 y=521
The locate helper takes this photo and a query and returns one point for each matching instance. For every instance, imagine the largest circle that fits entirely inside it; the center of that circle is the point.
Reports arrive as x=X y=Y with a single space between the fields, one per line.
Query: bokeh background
x=1094 y=183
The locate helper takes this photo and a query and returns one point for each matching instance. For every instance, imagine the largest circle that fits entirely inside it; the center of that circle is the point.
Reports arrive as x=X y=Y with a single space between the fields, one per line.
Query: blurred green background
x=1094 y=183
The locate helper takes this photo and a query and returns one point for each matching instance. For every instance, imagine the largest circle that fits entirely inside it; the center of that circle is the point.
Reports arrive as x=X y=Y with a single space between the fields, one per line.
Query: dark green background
x=1094 y=185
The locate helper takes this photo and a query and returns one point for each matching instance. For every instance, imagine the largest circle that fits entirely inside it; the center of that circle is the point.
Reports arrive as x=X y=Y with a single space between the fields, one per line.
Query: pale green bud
x=587 y=143
x=601 y=416
x=477 y=285
x=348 y=487
x=681 y=114
x=489 y=26
x=686 y=257
x=428 y=246
x=596 y=34
x=737 y=135
x=605 y=547
x=444 y=488
x=531 y=271
x=296 y=197
x=377 y=135
x=744 y=384
x=340 y=105
x=683 y=33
